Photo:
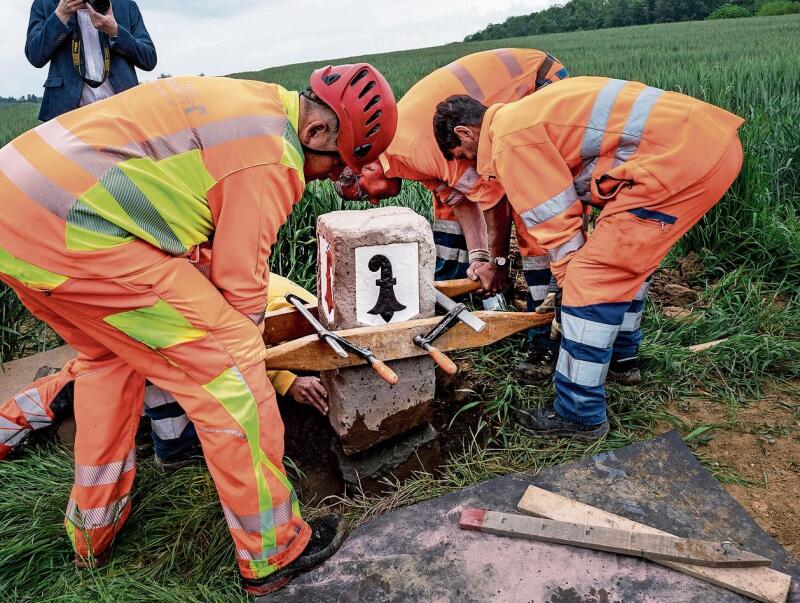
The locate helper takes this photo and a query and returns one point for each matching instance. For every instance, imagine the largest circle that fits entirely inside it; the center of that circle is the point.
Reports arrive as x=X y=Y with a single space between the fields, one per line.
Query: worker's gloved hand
x=486 y=272
x=555 y=326
x=309 y=390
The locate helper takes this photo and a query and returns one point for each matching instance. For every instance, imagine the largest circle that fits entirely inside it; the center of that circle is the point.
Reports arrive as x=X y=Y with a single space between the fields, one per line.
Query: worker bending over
x=49 y=399
x=459 y=194
x=654 y=162
x=104 y=210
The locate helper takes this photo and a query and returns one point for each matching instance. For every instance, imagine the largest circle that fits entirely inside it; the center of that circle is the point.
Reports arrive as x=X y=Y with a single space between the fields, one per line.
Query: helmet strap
x=319 y=151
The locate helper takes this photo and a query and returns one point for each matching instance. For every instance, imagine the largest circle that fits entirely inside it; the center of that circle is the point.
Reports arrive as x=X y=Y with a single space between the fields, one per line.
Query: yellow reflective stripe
x=159 y=326
x=103 y=203
x=82 y=239
x=235 y=396
x=292 y=150
x=28 y=274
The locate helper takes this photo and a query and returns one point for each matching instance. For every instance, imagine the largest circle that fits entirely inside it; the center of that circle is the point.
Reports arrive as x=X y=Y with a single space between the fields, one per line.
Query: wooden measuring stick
x=759 y=583
x=612 y=540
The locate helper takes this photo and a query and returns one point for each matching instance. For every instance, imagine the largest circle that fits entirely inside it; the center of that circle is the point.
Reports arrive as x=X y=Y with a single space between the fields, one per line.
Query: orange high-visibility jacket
x=493 y=76
x=108 y=189
x=600 y=141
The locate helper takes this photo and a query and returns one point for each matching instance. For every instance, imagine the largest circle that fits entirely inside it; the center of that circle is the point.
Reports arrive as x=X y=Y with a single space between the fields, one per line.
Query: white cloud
x=224 y=36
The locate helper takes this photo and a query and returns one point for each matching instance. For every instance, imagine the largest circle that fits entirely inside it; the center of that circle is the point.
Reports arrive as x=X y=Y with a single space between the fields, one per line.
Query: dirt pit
x=757 y=443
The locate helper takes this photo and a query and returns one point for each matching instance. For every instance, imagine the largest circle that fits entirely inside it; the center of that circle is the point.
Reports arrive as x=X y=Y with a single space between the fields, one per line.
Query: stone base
x=400 y=458
x=365 y=410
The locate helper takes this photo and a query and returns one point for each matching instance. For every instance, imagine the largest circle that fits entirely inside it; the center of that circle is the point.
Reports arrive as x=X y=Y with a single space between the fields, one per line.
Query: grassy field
x=175 y=548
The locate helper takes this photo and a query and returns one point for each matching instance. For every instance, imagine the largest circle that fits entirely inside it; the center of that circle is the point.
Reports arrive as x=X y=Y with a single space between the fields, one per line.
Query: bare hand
x=486 y=272
x=67 y=8
x=105 y=23
x=309 y=390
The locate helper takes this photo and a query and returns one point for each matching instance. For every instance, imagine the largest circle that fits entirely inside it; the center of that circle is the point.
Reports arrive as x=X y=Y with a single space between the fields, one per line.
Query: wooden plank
x=395 y=341
x=613 y=540
x=16 y=375
x=759 y=583
x=287 y=324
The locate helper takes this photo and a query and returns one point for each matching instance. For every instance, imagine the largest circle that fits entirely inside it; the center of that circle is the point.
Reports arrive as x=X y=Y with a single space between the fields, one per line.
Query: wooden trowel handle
x=457 y=287
x=441 y=359
x=384 y=372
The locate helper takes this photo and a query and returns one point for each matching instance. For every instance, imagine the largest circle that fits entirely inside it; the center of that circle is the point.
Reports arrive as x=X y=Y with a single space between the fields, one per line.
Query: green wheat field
x=175 y=547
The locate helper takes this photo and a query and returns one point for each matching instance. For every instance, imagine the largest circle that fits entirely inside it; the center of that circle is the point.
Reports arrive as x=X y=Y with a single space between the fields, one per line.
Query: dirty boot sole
x=632 y=377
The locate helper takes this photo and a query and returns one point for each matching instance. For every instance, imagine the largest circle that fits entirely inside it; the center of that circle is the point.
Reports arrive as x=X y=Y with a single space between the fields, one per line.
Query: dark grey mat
x=419 y=554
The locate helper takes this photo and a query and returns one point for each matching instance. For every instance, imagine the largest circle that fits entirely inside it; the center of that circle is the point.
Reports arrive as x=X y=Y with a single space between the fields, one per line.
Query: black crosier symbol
x=387 y=303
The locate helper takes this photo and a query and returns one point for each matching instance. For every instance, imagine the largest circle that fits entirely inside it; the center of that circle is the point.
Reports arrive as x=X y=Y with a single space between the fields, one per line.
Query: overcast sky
x=217 y=37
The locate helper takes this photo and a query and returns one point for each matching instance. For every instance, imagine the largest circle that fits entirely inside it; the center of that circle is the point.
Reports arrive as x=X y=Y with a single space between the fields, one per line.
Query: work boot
x=190 y=456
x=537 y=367
x=625 y=372
x=546 y=421
x=327 y=534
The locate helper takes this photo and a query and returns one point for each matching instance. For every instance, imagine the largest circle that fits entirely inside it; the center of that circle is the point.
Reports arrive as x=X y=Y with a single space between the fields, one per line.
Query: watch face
x=501 y=261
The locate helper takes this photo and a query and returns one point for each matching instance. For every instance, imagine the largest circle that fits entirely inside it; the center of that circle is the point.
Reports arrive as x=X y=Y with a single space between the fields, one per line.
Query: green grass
x=175 y=547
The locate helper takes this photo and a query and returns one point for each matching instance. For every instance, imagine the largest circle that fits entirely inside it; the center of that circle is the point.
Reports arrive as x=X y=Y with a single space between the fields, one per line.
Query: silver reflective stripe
x=234 y=432
x=550 y=208
x=634 y=125
x=447 y=226
x=510 y=62
x=98 y=161
x=450 y=253
x=583 y=180
x=110 y=473
x=256 y=523
x=598 y=121
x=34 y=184
x=12 y=434
x=63 y=141
x=642 y=293
x=575 y=243
x=467 y=181
x=98 y=517
x=31 y=405
x=246 y=555
x=282 y=514
x=155 y=396
x=539 y=292
x=631 y=322
x=536 y=262
x=588 y=332
x=465 y=77
x=170 y=428
x=582 y=372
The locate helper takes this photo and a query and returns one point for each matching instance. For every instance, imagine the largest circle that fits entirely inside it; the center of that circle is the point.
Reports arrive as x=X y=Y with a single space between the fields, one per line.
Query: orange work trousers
x=170 y=325
x=606 y=280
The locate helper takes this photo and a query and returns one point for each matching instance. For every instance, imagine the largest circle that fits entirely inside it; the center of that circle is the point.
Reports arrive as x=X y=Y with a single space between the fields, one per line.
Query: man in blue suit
x=92 y=56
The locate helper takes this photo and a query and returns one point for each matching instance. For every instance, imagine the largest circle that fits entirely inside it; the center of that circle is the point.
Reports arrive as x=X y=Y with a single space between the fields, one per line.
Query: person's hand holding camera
x=103 y=20
x=67 y=8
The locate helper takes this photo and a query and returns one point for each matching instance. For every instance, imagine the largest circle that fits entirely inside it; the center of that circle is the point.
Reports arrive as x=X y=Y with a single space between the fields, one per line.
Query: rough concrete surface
x=418 y=553
x=365 y=410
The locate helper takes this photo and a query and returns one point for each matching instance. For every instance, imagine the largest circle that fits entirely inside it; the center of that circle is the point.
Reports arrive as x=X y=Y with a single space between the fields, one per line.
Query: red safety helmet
x=364 y=103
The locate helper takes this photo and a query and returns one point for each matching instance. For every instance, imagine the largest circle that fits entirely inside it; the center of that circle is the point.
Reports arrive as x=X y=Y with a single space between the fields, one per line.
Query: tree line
x=600 y=14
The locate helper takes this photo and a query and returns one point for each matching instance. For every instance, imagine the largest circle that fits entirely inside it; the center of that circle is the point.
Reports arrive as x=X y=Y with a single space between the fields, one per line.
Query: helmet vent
x=373 y=131
x=375 y=116
x=367 y=88
x=362 y=150
x=330 y=79
x=359 y=76
x=375 y=100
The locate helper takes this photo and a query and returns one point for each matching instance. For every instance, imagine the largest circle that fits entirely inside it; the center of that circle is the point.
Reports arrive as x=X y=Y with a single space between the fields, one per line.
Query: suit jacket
x=49 y=40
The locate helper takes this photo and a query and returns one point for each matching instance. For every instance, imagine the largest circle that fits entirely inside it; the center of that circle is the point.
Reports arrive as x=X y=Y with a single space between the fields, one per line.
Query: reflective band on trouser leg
x=588 y=335
x=452 y=258
x=536 y=270
x=630 y=334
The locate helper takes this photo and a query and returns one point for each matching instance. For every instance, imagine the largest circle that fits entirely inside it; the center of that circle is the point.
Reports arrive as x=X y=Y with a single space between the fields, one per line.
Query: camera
x=101 y=6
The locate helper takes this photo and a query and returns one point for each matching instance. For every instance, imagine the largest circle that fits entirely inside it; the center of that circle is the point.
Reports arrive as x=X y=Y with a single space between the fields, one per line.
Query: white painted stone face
x=399 y=301
x=326 y=279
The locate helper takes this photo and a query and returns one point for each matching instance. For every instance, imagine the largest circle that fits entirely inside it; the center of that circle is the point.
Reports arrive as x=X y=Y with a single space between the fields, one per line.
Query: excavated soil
x=760 y=443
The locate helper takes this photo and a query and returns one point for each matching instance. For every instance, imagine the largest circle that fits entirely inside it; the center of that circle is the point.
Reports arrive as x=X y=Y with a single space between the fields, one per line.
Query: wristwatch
x=499 y=261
